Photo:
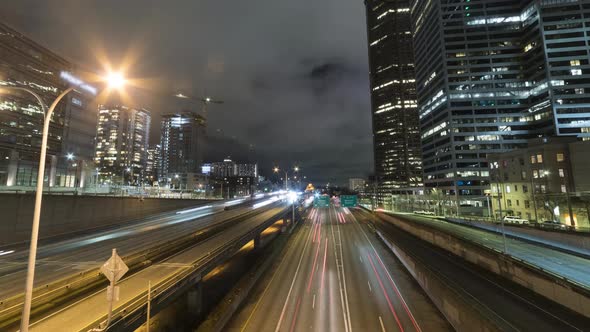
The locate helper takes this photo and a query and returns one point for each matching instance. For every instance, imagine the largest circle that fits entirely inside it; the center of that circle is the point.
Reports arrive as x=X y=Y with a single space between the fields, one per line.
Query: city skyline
x=271 y=82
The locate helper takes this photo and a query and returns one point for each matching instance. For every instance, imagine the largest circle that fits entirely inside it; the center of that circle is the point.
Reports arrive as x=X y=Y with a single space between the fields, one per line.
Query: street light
x=113 y=81
x=276 y=170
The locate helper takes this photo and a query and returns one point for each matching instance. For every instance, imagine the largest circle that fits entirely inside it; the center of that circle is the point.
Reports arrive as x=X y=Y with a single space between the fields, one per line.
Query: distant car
x=418 y=212
x=515 y=220
x=428 y=213
x=552 y=224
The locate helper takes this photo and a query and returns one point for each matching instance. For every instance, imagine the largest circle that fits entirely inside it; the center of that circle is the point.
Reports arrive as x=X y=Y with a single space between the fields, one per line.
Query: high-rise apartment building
x=182 y=143
x=153 y=162
x=25 y=63
x=396 y=137
x=121 y=143
x=490 y=74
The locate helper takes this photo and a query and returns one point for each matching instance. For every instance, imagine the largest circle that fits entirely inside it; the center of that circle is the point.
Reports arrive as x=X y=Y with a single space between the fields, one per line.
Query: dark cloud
x=293 y=74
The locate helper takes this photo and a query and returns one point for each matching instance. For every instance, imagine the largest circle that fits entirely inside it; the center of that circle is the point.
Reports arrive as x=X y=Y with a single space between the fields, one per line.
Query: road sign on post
x=348 y=201
x=114 y=268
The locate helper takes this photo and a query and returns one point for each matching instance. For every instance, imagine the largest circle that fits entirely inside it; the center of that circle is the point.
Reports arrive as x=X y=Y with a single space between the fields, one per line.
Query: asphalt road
x=336 y=276
x=572 y=267
x=510 y=306
x=78 y=315
x=67 y=256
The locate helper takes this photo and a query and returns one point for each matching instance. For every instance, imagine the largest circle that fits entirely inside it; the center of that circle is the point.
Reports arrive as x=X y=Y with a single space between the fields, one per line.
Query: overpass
x=172 y=250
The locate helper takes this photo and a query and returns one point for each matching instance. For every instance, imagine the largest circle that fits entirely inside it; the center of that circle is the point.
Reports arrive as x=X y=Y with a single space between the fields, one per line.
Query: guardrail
x=132 y=314
x=58 y=292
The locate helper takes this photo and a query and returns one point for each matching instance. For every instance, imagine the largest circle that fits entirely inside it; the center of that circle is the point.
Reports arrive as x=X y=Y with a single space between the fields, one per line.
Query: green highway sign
x=348 y=201
x=321 y=201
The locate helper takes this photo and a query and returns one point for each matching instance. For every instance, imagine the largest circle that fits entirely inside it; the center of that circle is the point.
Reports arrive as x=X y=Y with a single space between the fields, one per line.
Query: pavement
x=572 y=267
x=336 y=276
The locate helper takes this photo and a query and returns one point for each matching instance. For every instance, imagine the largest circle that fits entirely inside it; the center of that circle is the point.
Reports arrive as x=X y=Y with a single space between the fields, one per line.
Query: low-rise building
x=545 y=181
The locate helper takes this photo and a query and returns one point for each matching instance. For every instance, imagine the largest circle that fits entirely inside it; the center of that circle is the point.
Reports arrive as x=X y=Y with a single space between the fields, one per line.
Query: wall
x=67 y=214
x=549 y=286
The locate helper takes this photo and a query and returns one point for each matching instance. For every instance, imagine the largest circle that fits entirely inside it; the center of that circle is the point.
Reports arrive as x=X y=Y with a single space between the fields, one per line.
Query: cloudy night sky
x=293 y=74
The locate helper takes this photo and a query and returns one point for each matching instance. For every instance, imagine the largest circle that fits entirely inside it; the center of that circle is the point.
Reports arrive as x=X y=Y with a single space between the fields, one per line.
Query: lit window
x=563 y=188
x=533 y=159
x=535 y=174
x=543 y=188
x=508 y=189
x=561 y=173
x=576 y=72
x=560 y=157
x=574 y=62
x=523 y=175
x=539 y=158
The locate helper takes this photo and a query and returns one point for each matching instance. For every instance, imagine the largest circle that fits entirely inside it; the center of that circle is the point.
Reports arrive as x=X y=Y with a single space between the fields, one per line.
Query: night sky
x=293 y=74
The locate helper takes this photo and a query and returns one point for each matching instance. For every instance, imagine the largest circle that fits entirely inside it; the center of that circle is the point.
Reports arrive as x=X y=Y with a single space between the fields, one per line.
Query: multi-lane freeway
x=67 y=257
x=335 y=276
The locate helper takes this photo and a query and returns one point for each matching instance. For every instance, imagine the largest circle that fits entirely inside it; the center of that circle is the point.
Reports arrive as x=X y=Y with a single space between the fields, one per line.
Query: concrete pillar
x=194 y=299
x=12 y=168
x=52 y=170
x=257 y=242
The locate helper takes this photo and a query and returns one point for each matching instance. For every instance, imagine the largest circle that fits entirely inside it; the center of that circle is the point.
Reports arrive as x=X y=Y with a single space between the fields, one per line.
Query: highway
x=572 y=267
x=510 y=306
x=335 y=276
x=67 y=257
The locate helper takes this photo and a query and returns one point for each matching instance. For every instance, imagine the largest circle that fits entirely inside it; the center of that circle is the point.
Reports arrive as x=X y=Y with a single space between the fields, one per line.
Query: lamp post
x=277 y=170
x=115 y=81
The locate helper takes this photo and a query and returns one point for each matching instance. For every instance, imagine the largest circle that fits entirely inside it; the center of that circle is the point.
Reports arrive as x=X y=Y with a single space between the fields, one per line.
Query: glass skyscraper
x=121 y=143
x=25 y=63
x=182 y=143
x=491 y=74
x=396 y=137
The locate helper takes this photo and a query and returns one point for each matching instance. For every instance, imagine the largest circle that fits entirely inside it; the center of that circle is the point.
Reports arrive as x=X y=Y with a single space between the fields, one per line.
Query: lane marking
x=340 y=269
x=405 y=305
x=313 y=303
x=295 y=314
x=343 y=275
x=315 y=259
x=382 y=326
x=324 y=268
x=369 y=283
x=391 y=308
x=292 y=284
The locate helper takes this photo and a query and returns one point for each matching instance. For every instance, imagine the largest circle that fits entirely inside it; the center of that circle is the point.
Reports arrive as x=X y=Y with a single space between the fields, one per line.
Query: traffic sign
x=348 y=201
x=321 y=201
x=114 y=268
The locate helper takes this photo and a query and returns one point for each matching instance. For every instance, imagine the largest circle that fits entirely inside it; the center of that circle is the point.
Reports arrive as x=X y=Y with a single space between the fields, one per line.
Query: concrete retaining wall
x=575 y=242
x=550 y=286
x=67 y=214
x=460 y=314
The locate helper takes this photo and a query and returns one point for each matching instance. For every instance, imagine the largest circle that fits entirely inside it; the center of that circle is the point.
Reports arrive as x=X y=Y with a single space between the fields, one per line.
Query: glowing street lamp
x=115 y=81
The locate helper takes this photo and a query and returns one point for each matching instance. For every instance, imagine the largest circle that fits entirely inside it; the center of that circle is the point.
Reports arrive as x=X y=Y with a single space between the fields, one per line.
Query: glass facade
x=121 y=143
x=182 y=143
x=396 y=137
x=25 y=63
x=489 y=76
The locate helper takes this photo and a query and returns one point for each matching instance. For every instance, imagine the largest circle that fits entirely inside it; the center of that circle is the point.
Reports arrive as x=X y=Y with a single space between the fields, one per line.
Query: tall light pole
x=115 y=80
x=276 y=169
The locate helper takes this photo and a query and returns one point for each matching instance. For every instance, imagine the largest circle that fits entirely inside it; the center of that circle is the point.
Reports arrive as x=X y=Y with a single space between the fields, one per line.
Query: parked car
x=515 y=220
x=428 y=213
x=418 y=212
x=552 y=224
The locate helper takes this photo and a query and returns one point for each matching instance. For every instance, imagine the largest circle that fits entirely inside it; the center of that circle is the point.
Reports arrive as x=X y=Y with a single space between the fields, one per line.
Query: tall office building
x=492 y=73
x=121 y=143
x=25 y=63
x=396 y=137
x=182 y=143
